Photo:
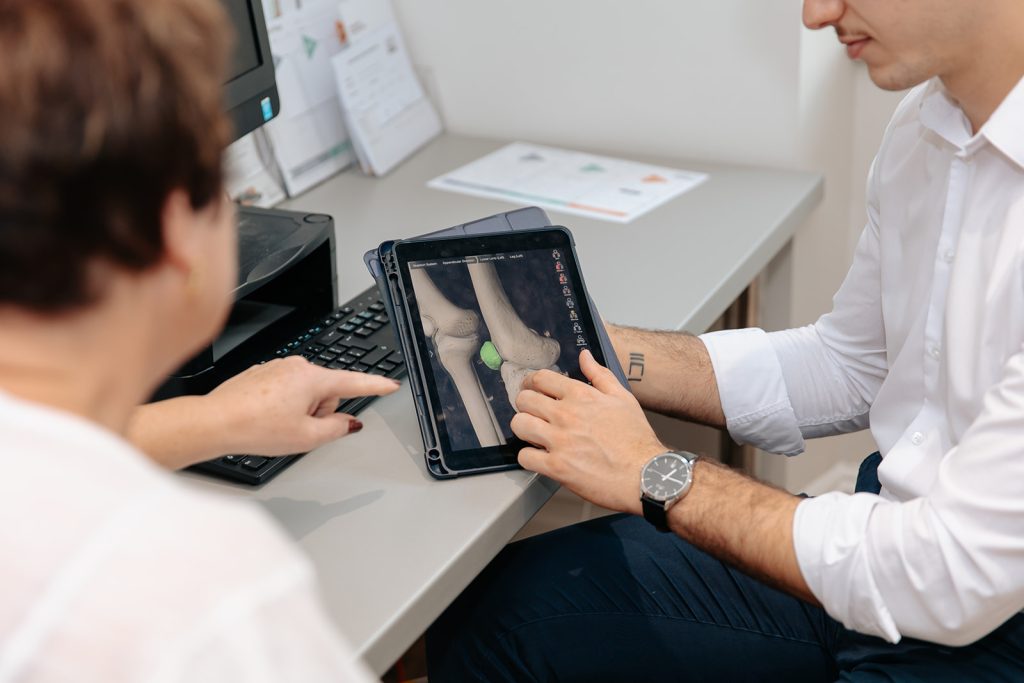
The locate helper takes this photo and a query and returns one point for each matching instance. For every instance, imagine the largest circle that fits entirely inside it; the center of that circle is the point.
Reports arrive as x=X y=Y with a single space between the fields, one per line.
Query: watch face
x=666 y=477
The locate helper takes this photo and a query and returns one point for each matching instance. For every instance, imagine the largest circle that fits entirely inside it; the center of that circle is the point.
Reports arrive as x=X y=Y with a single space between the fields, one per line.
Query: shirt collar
x=1004 y=130
x=941 y=115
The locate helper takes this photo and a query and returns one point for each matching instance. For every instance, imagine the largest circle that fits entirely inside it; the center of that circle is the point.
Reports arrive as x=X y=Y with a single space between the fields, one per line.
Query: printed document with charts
x=308 y=137
x=386 y=111
x=572 y=182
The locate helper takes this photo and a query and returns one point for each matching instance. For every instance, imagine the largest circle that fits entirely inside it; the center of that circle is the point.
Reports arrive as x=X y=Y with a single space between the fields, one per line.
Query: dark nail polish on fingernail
x=354 y=426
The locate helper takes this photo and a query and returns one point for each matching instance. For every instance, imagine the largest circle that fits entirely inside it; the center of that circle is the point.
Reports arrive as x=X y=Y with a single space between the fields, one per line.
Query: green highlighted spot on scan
x=490 y=356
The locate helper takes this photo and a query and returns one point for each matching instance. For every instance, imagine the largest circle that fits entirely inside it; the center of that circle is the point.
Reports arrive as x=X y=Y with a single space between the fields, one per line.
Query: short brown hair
x=106 y=107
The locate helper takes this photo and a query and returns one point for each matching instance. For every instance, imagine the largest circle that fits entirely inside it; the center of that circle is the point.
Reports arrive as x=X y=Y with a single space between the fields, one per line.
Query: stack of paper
x=347 y=91
x=386 y=112
x=307 y=141
x=250 y=179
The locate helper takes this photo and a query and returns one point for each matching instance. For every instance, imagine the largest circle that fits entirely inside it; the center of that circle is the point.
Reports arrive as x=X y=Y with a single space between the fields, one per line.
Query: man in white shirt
x=920 y=576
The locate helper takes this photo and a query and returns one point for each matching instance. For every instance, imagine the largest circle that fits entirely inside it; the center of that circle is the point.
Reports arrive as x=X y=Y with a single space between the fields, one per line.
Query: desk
x=393 y=547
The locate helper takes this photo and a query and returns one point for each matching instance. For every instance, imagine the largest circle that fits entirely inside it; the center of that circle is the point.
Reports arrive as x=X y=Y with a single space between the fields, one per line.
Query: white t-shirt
x=113 y=571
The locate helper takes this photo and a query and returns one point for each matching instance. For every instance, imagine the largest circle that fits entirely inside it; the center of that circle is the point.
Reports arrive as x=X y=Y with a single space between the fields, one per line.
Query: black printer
x=287 y=283
x=286 y=304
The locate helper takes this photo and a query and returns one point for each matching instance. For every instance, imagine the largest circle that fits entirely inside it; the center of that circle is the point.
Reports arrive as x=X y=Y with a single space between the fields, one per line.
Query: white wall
x=730 y=80
x=687 y=78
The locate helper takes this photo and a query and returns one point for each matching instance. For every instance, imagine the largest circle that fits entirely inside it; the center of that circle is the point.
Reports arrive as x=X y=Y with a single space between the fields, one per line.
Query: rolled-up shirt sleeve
x=753 y=392
x=780 y=388
x=947 y=567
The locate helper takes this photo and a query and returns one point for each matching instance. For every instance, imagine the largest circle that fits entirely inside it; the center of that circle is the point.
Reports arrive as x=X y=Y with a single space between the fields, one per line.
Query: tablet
x=478 y=314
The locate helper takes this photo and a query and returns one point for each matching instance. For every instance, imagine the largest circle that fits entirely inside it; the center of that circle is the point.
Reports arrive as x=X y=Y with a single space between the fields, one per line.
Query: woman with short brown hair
x=117 y=261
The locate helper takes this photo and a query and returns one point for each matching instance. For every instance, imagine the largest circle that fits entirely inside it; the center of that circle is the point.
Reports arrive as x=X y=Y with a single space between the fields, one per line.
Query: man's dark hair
x=106 y=107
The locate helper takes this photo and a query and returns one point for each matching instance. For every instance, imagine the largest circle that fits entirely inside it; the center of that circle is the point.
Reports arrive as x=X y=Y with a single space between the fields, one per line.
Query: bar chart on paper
x=573 y=182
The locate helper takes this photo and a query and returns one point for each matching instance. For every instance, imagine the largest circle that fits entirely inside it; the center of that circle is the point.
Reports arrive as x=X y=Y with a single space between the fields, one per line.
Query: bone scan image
x=490 y=320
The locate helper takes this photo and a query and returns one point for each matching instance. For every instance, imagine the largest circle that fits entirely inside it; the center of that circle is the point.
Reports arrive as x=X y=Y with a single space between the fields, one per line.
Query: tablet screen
x=486 y=313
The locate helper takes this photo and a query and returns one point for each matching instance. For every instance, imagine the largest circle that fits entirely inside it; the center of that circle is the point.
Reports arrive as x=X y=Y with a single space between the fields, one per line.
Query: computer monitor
x=251 y=91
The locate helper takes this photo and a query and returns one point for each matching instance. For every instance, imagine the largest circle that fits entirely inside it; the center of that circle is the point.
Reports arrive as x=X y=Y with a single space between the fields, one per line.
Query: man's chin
x=895 y=78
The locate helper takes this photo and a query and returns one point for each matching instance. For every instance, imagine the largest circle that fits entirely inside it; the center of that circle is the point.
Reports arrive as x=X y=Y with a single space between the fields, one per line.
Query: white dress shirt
x=113 y=570
x=925 y=344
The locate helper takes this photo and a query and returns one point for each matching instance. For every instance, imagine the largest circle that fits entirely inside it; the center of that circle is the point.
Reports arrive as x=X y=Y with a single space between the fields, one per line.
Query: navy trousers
x=615 y=600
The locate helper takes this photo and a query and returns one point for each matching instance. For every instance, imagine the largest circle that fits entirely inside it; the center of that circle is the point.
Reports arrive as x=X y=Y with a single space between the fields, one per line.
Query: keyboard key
x=346 y=310
x=347 y=360
x=319 y=361
x=336 y=366
x=360 y=367
x=382 y=319
x=365 y=315
x=329 y=337
x=327 y=356
x=348 y=327
x=233 y=459
x=356 y=352
x=254 y=462
x=373 y=325
x=376 y=355
x=386 y=366
x=339 y=349
x=363 y=332
x=313 y=348
x=316 y=330
x=377 y=371
x=378 y=307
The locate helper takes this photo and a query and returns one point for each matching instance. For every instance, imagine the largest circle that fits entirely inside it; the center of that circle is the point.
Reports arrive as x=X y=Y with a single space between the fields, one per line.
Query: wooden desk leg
x=742 y=313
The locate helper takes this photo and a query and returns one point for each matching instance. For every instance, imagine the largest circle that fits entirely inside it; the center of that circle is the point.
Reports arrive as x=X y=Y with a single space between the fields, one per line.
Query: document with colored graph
x=571 y=182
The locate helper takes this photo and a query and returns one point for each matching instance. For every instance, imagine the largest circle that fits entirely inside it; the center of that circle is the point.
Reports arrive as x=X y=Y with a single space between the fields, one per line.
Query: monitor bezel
x=243 y=95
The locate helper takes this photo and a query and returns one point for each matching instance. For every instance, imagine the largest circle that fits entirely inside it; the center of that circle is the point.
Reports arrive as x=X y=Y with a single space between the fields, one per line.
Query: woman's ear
x=181 y=230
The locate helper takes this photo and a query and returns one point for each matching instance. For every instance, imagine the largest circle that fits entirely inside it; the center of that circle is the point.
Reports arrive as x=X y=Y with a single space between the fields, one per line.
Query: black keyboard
x=357 y=336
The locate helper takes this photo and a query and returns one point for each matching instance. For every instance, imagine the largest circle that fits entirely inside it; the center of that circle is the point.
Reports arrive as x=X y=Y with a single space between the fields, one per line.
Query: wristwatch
x=664 y=480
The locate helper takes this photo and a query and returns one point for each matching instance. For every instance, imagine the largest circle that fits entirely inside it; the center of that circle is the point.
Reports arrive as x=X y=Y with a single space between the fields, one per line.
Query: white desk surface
x=393 y=546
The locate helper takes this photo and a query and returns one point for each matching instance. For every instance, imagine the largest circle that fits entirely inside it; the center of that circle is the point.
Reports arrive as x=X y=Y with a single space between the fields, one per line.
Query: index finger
x=550 y=383
x=350 y=384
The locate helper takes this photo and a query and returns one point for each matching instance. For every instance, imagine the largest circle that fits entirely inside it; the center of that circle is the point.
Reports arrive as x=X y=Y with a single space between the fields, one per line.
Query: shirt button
x=934 y=352
x=948 y=255
x=917 y=439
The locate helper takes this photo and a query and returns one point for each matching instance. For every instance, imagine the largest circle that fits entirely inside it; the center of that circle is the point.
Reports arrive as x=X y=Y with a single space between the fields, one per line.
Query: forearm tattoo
x=636 y=367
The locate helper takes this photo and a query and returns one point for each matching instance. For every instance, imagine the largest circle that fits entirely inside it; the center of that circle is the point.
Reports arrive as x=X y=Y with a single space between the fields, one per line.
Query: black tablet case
x=530 y=218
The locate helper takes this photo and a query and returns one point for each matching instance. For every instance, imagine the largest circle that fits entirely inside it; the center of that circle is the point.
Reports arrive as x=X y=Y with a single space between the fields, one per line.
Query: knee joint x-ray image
x=489 y=321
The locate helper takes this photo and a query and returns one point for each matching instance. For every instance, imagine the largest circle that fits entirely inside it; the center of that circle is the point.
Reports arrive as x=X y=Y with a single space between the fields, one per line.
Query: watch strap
x=655 y=513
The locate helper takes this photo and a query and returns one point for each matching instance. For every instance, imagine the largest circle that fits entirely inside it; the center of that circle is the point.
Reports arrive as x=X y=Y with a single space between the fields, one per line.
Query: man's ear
x=182 y=243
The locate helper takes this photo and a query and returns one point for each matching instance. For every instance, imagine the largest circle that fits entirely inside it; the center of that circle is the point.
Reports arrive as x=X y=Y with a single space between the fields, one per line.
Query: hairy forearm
x=743 y=522
x=669 y=373
x=177 y=432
